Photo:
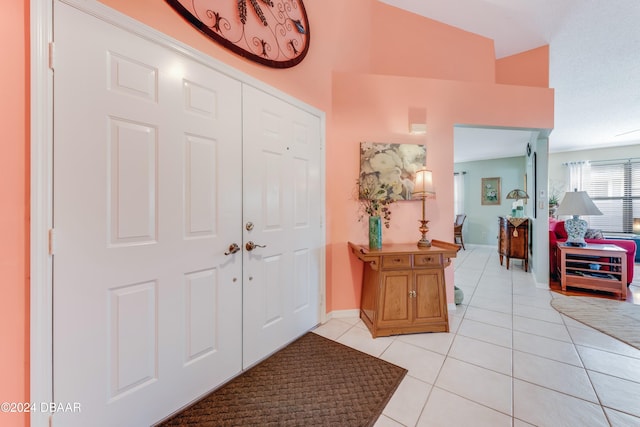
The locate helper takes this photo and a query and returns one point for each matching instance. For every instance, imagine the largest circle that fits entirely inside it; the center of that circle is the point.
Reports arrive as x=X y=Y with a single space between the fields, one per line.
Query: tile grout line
x=584 y=367
x=519 y=293
x=447 y=355
x=513 y=381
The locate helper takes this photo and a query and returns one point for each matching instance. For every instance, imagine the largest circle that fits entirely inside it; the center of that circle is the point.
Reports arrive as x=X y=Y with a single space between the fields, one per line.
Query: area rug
x=312 y=382
x=618 y=319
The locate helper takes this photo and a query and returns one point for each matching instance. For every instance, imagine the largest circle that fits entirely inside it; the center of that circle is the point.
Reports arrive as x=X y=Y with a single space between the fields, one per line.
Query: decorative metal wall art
x=271 y=32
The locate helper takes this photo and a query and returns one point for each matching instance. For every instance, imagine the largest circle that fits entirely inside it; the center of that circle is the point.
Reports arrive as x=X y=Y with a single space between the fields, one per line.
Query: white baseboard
x=343 y=314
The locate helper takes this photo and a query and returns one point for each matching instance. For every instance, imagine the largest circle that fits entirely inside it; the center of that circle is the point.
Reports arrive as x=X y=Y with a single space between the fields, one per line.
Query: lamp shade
x=577 y=203
x=424 y=184
x=423 y=188
x=517 y=194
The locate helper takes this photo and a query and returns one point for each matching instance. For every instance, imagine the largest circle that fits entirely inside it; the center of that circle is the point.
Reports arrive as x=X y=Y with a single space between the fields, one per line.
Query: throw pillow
x=593 y=234
x=560 y=230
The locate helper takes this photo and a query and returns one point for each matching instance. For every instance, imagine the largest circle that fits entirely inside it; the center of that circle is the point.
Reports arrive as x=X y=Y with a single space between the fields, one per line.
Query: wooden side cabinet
x=595 y=266
x=403 y=288
x=513 y=239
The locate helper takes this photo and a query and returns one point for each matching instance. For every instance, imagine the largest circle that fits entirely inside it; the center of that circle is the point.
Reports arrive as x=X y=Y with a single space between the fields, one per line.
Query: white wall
x=558 y=174
x=539 y=214
x=481 y=225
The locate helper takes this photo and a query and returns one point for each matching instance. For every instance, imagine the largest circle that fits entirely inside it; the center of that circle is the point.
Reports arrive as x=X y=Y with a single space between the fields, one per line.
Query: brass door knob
x=251 y=246
x=233 y=248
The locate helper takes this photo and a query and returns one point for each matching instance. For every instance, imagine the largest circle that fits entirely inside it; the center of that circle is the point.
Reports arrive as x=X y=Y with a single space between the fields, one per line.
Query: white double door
x=161 y=164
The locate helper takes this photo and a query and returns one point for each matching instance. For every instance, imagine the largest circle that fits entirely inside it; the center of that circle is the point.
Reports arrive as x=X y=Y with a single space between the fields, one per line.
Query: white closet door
x=147 y=199
x=282 y=200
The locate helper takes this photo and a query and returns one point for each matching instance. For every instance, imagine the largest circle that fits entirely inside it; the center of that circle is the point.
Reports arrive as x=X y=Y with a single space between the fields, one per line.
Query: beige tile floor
x=509 y=360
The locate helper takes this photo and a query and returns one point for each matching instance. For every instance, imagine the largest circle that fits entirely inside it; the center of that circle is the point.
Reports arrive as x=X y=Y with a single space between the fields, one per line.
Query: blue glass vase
x=375 y=232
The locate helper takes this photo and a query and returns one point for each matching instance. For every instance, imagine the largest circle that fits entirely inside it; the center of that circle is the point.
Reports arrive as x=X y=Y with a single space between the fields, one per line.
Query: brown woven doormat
x=312 y=382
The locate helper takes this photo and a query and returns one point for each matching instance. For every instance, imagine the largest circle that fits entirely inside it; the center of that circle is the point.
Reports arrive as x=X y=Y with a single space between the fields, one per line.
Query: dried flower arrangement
x=375 y=197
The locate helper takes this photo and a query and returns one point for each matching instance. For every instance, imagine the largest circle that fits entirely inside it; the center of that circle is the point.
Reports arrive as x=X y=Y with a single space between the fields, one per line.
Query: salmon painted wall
x=530 y=68
x=365 y=37
x=375 y=108
x=405 y=44
x=337 y=41
x=14 y=223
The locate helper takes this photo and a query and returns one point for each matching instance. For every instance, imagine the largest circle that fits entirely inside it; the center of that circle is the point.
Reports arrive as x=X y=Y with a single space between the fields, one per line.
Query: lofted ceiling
x=594 y=48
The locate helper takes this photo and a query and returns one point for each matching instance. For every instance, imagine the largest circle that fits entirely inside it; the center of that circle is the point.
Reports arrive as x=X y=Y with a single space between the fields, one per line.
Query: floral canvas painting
x=392 y=167
x=490 y=191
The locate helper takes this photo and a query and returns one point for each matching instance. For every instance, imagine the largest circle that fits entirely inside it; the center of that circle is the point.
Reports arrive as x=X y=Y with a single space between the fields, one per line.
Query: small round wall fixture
x=528 y=150
x=274 y=33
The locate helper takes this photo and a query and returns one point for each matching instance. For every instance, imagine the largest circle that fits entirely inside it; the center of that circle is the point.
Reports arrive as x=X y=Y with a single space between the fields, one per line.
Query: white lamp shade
x=577 y=203
x=424 y=183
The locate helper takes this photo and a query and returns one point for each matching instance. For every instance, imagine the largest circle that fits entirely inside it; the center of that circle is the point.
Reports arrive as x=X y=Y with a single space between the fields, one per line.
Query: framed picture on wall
x=490 y=194
x=392 y=165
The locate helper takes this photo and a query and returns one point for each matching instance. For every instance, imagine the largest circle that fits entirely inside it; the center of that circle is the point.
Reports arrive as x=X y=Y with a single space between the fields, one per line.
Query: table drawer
x=427 y=260
x=396 y=261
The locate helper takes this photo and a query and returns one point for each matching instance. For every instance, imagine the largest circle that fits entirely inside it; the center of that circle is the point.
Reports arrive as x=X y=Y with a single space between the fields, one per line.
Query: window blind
x=615 y=188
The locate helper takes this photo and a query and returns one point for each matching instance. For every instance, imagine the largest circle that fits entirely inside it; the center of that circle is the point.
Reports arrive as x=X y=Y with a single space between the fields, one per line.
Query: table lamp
x=424 y=189
x=517 y=195
x=577 y=203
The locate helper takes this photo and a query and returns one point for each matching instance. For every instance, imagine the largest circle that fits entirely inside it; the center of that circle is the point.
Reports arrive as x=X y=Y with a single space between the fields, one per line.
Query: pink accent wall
x=375 y=108
x=14 y=213
x=530 y=68
x=339 y=39
x=405 y=44
x=368 y=64
x=354 y=45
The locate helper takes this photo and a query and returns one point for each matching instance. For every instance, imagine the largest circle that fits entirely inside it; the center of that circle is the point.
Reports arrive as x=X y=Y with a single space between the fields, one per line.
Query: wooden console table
x=596 y=267
x=514 y=239
x=403 y=287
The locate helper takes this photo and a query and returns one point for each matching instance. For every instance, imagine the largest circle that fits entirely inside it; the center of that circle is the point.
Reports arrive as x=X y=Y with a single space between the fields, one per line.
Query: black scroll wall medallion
x=272 y=32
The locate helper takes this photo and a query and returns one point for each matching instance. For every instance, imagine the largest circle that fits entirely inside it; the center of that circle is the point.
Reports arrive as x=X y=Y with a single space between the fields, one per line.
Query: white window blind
x=615 y=188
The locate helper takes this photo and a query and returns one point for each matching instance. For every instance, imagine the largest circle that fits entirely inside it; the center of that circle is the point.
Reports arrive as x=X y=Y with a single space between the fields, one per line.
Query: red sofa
x=557 y=233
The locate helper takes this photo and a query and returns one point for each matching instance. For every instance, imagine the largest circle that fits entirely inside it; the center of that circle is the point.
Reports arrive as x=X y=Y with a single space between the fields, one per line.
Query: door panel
x=395 y=303
x=149 y=311
x=430 y=295
x=281 y=198
x=147 y=199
